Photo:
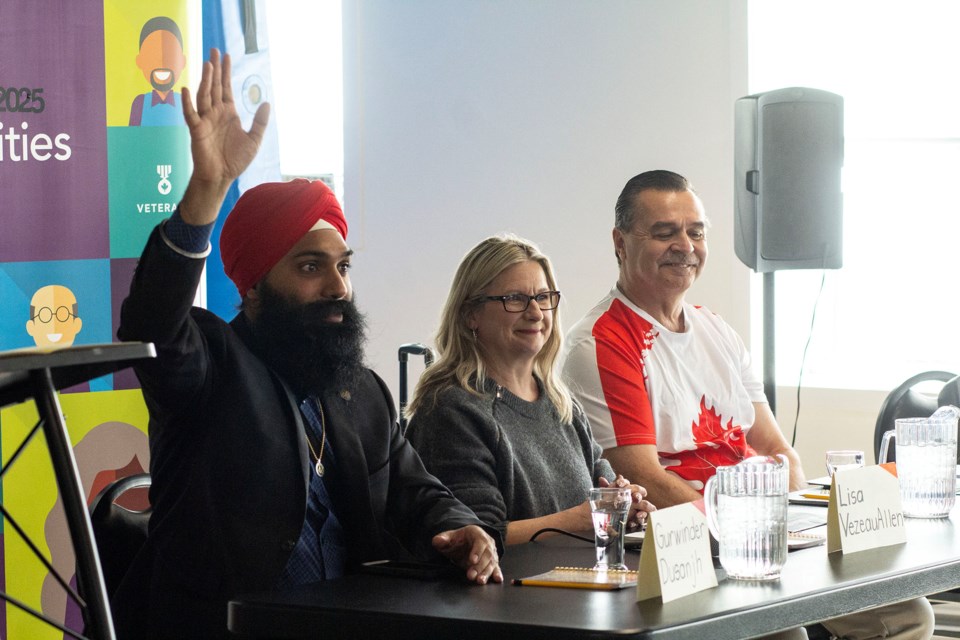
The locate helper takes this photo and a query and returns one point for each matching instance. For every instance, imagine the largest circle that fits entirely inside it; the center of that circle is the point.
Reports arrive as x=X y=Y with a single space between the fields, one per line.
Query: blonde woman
x=490 y=418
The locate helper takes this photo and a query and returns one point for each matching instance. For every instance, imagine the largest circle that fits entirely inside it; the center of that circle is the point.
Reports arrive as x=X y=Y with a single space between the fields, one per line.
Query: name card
x=675 y=559
x=864 y=511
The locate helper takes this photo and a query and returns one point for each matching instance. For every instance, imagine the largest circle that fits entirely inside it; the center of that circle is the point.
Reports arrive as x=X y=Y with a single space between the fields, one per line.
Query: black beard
x=165 y=86
x=308 y=352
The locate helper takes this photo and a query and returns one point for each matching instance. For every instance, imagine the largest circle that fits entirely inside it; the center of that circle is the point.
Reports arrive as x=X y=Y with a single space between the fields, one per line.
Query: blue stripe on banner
x=212 y=15
x=223 y=29
x=222 y=296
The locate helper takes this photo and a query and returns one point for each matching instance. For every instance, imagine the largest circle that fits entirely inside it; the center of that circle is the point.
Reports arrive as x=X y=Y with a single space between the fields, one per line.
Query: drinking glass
x=610 y=508
x=843 y=459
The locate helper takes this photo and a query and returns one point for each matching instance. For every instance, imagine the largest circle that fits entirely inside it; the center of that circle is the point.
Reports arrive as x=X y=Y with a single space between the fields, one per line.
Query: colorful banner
x=108 y=431
x=53 y=144
x=94 y=153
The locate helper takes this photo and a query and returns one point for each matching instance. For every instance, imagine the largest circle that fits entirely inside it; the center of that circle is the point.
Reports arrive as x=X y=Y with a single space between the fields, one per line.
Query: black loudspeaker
x=789 y=155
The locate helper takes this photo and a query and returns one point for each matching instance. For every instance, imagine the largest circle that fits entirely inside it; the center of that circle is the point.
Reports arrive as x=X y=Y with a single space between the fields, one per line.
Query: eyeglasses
x=519 y=302
x=46 y=314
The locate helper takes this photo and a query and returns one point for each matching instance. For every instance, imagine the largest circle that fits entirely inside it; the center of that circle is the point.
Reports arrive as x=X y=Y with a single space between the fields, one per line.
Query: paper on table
x=581 y=578
x=634 y=539
x=802 y=540
x=810 y=497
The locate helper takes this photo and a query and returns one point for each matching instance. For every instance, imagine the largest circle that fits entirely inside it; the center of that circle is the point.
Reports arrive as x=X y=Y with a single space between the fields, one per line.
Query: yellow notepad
x=581 y=578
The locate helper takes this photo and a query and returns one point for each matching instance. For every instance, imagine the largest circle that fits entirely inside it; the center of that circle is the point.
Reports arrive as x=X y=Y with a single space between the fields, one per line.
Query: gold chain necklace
x=318 y=467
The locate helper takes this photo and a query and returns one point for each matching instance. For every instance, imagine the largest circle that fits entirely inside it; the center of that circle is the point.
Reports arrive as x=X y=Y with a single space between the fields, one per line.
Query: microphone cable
x=803 y=359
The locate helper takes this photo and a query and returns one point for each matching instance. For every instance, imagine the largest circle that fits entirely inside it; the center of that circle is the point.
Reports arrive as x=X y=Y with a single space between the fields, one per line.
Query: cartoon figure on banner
x=161 y=59
x=53 y=317
x=109 y=451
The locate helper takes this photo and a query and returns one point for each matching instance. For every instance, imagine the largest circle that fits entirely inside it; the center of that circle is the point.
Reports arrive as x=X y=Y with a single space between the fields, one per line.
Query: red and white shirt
x=691 y=394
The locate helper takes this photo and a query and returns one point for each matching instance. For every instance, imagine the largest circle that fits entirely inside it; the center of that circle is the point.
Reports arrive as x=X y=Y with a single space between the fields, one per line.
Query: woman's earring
x=474 y=334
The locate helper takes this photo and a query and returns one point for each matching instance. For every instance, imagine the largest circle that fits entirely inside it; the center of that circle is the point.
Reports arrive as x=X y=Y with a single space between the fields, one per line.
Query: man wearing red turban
x=268 y=220
x=276 y=459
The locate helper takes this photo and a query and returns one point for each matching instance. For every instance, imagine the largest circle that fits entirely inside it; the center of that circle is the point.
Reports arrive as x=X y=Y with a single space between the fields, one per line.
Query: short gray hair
x=656 y=180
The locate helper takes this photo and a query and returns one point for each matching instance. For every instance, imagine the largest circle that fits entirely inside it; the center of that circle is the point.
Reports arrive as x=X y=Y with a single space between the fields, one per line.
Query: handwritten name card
x=675 y=560
x=864 y=511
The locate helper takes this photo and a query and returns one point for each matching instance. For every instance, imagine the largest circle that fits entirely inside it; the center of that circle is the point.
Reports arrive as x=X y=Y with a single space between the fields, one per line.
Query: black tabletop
x=814 y=586
x=68 y=365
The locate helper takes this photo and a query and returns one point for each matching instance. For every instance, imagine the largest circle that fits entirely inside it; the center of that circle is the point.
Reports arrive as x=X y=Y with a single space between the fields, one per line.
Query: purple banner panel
x=121 y=275
x=53 y=138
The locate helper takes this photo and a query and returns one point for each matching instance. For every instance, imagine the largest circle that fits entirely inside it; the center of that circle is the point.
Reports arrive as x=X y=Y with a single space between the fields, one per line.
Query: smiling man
x=668 y=386
x=162 y=61
x=53 y=317
x=275 y=454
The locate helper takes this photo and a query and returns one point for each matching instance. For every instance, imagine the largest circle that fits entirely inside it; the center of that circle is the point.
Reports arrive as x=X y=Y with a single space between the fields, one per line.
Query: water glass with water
x=841 y=460
x=926 y=462
x=610 y=508
x=746 y=507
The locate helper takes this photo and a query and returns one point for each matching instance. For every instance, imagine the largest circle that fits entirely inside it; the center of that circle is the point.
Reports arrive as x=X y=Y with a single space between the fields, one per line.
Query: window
x=306 y=58
x=892 y=310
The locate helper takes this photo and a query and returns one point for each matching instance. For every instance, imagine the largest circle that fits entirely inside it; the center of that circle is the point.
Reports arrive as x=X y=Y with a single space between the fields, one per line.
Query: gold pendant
x=319 y=468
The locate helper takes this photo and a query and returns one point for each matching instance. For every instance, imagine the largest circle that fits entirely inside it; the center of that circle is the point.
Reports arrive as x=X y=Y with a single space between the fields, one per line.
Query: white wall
x=470 y=118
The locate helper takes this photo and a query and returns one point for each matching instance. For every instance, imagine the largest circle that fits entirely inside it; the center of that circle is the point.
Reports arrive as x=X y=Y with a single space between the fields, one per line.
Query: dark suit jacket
x=230 y=464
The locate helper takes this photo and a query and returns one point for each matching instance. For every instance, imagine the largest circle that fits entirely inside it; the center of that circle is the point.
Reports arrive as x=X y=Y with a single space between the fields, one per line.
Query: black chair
x=119 y=532
x=950 y=393
x=405 y=351
x=906 y=402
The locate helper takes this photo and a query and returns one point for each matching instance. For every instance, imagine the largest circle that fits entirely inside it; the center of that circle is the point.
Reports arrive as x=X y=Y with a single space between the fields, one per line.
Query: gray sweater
x=506 y=458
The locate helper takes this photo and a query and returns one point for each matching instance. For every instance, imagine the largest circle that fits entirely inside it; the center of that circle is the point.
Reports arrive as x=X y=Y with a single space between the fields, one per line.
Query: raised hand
x=221 y=148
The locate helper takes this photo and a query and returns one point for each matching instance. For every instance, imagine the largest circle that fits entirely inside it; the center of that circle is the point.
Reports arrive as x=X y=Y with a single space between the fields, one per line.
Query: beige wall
x=466 y=119
x=829 y=419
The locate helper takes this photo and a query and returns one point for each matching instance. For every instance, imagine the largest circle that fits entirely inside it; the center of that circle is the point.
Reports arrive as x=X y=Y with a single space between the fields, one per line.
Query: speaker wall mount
x=789 y=205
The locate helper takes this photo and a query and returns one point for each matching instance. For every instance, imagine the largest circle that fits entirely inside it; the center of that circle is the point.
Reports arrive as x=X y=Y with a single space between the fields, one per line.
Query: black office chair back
x=950 y=393
x=120 y=532
x=404 y=353
x=907 y=402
